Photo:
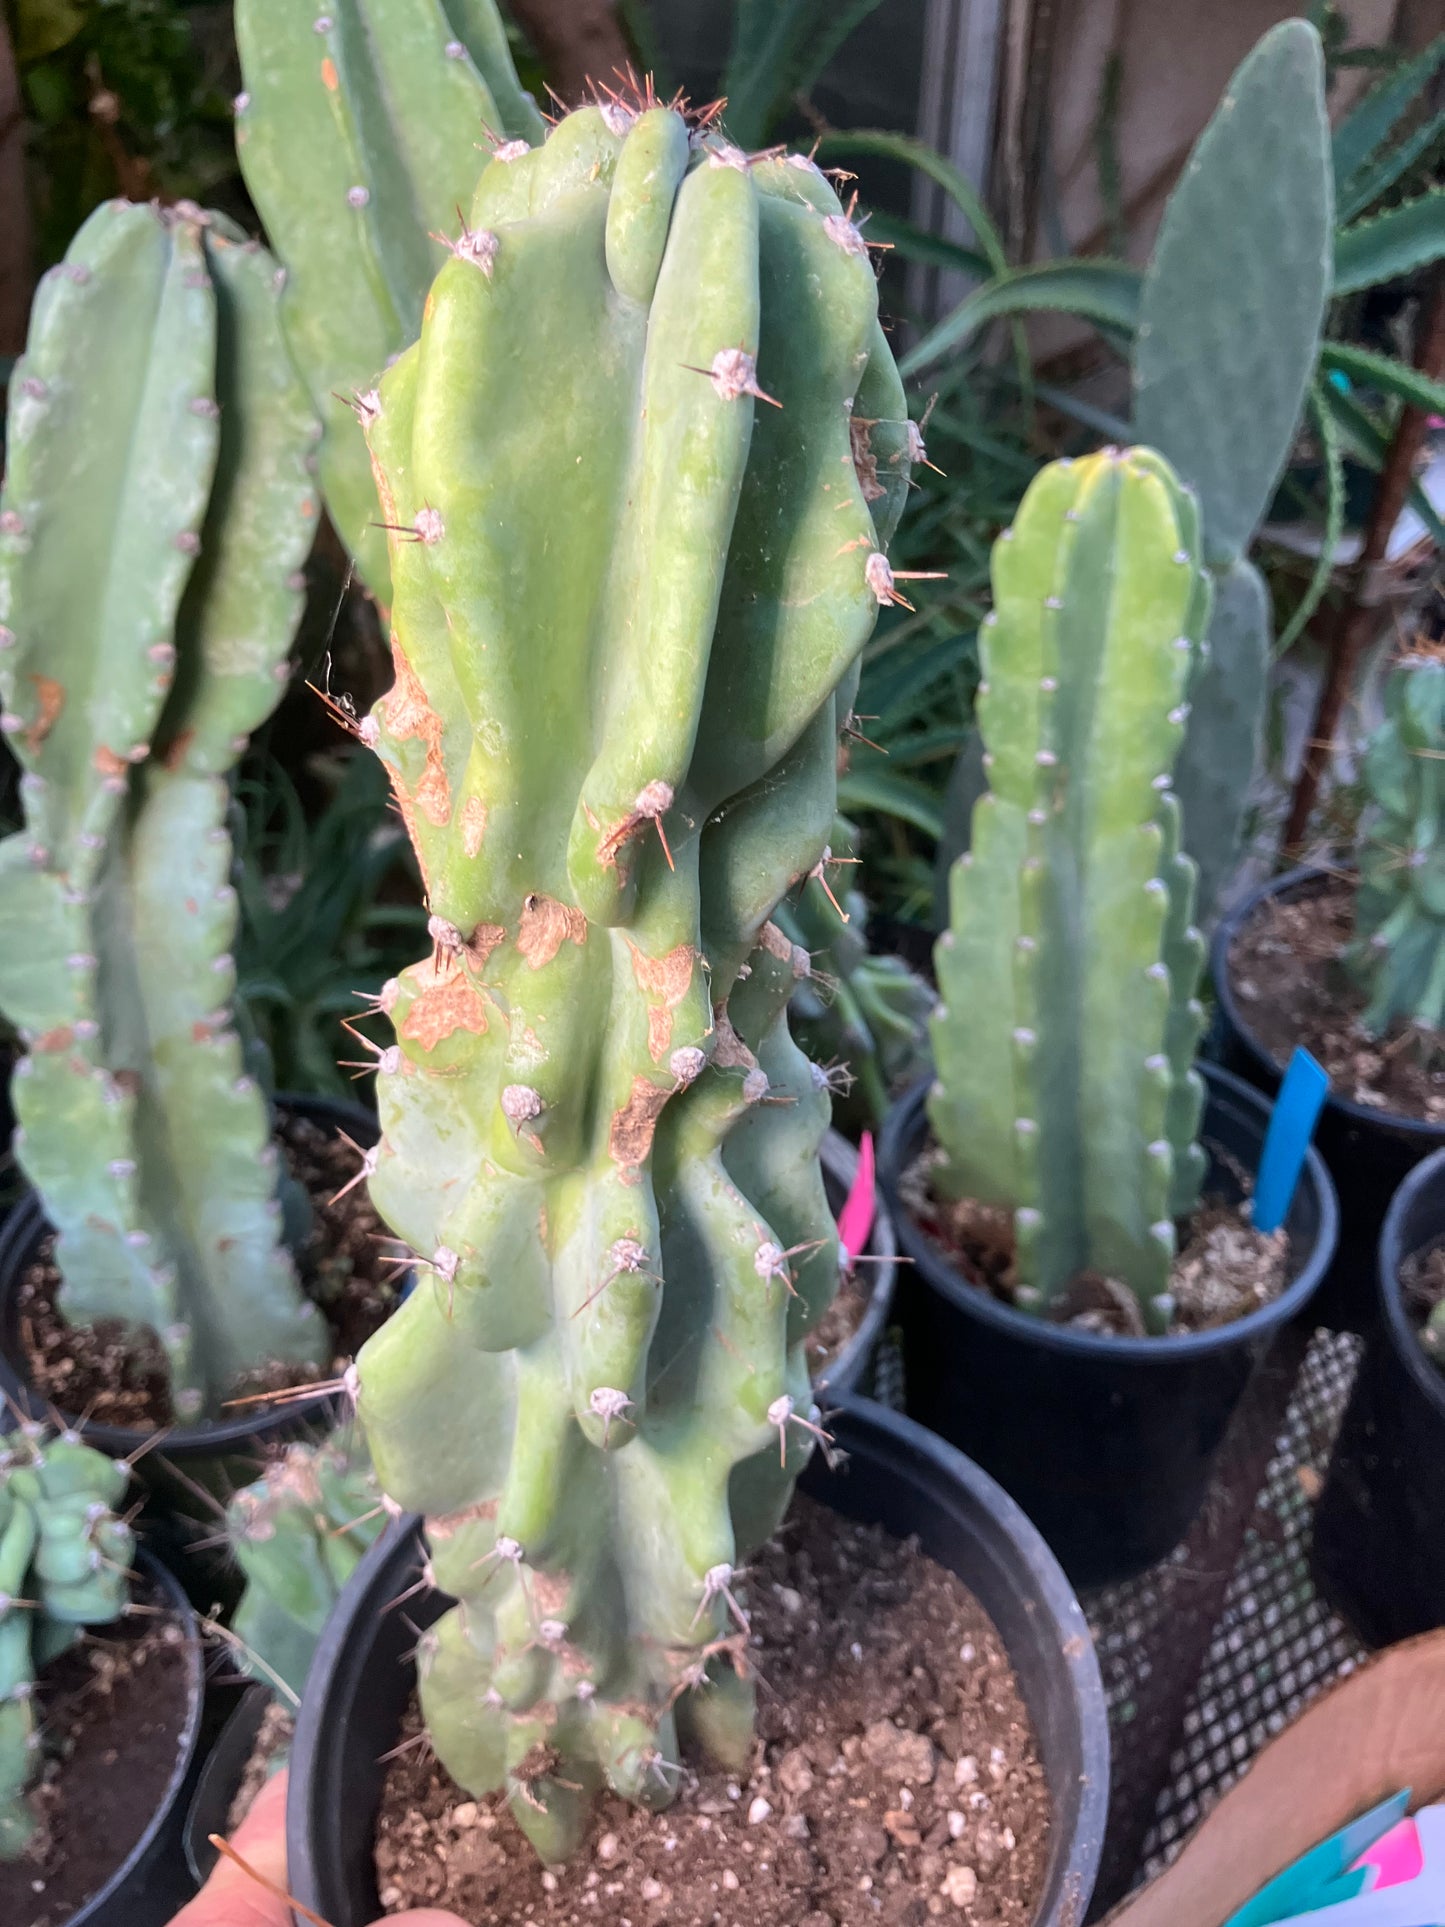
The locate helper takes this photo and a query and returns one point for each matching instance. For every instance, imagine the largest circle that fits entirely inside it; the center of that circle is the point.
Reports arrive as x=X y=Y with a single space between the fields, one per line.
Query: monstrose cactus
x=634 y=565
x=1398 y=952
x=1065 y=1035
x=297 y=1534
x=156 y=512
x=64 y=1559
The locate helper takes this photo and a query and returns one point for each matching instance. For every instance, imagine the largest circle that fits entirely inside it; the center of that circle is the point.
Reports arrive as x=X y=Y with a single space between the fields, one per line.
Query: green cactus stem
x=1066 y=1031
x=361 y=131
x=156 y=513
x=64 y=1559
x=297 y=1534
x=635 y=563
x=1398 y=952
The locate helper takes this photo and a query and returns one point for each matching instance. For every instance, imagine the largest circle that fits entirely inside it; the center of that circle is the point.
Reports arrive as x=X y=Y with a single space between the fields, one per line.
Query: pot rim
x=23 y=1228
x=1366 y=1116
x=339 y=1668
x=1393 y=1250
x=905 y=1128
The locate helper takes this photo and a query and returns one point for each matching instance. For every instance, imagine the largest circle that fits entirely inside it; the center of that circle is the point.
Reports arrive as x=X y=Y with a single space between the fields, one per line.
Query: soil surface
x=1223 y=1269
x=1285 y=970
x=838 y=1324
x=117 y=1375
x=112 y=1710
x=895 y=1780
x=273 y=1738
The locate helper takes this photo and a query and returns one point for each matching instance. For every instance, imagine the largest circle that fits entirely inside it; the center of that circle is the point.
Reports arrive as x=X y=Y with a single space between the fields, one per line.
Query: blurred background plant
x=330 y=908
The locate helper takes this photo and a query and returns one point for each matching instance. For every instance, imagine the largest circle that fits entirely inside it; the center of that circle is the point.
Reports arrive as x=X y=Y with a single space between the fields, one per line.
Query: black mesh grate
x=1210 y=1653
x=1276 y=1643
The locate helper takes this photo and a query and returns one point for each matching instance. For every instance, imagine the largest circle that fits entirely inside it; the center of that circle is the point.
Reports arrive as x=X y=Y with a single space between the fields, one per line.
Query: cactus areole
x=639 y=473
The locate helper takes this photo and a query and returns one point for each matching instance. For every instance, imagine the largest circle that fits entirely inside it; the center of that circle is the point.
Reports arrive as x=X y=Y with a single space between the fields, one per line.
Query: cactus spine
x=1398 y=952
x=156 y=512
x=1067 y=1025
x=862 y=1016
x=297 y=1534
x=63 y=1564
x=1230 y=322
x=634 y=568
x=359 y=136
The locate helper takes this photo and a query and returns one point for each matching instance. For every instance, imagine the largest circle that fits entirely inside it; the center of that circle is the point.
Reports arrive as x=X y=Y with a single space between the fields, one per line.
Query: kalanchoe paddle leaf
x=1398 y=952
x=636 y=553
x=64 y=1559
x=297 y=1534
x=361 y=131
x=156 y=511
x=1231 y=316
x=1067 y=1025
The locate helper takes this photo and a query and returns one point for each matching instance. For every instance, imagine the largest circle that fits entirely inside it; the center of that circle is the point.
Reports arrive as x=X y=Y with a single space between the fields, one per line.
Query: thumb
x=234 y=1898
x=423 y=1917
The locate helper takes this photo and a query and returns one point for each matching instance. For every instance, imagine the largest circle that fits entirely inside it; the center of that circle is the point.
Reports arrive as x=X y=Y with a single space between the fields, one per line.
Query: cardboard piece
x=1380 y=1729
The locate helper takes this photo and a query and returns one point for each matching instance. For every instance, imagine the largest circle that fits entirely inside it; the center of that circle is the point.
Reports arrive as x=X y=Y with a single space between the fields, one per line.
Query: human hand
x=236 y=1897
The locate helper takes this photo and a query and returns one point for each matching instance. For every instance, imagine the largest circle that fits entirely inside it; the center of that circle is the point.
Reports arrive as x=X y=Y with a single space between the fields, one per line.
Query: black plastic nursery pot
x=1369 y=1152
x=1379 y=1542
x=216 y=1456
x=1106 y=1442
x=153 y=1880
x=895 y=1473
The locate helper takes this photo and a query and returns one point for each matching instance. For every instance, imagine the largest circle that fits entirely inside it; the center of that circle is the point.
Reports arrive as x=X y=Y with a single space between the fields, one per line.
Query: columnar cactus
x=359 y=134
x=634 y=564
x=1067 y=1025
x=297 y=1534
x=1398 y=952
x=64 y=1559
x=156 y=511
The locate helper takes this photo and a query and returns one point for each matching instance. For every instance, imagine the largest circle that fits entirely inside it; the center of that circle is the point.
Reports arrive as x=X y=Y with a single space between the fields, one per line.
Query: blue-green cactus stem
x=1398 y=952
x=156 y=428
x=1067 y=1025
x=64 y=1564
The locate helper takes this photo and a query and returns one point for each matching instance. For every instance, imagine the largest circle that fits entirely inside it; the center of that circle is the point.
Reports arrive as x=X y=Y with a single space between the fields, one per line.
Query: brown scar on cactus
x=474 y=825
x=408 y=714
x=629 y=1140
x=668 y=980
x=652 y=803
x=50 y=696
x=546 y=925
x=447 y=1003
